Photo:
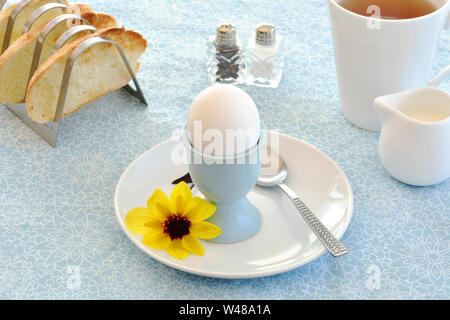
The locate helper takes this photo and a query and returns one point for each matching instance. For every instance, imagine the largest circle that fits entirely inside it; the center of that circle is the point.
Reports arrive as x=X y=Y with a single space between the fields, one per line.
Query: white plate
x=284 y=241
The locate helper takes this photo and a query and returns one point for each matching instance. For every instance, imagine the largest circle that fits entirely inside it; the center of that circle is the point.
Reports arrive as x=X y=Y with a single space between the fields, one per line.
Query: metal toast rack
x=49 y=131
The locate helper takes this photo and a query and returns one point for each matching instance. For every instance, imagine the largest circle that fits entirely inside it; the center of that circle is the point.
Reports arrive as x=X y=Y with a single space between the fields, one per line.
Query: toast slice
x=23 y=17
x=98 y=71
x=15 y=62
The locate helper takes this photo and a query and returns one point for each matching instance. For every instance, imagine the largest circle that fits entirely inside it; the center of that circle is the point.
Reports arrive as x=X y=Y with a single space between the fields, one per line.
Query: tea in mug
x=389 y=9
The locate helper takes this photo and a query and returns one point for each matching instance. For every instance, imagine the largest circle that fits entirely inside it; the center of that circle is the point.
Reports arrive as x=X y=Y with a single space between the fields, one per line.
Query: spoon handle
x=329 y=241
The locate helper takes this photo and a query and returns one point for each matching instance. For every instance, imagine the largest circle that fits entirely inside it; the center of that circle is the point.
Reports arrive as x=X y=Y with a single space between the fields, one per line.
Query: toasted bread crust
x=6 y=12
x=100 y=20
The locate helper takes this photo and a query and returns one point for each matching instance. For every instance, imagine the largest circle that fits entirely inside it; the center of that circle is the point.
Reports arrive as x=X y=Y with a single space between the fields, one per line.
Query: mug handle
x=436 y=81
x=439 y=78
x=447 y=23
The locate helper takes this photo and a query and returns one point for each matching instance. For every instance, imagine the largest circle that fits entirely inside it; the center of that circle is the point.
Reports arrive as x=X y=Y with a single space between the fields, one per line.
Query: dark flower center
x=176 y=227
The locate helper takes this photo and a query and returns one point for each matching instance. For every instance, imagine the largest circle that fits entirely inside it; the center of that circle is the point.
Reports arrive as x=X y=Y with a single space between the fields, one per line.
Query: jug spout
x=433 y=100
x=386 y=107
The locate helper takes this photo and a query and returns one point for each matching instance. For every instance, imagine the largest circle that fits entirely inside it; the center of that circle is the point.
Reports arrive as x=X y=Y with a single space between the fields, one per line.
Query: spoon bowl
x=273 y=169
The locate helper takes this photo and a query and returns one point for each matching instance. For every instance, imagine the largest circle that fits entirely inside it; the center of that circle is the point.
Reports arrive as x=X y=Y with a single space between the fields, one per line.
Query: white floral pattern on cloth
x=58 y=233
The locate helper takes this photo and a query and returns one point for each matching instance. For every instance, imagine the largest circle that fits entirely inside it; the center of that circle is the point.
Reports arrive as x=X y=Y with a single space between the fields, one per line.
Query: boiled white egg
x=223 y=120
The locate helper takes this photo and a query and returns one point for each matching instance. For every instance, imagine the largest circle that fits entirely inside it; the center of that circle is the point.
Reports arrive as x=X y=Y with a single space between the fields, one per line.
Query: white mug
x=376 y=57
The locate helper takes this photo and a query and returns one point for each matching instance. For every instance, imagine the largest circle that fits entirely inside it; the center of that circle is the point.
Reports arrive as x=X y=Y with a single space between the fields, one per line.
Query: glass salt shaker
x=263 y=59
x=226 y=59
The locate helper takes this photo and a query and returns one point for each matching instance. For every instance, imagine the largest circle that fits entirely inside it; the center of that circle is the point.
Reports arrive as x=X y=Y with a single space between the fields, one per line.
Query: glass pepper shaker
x=226 y=59
x=263 y=59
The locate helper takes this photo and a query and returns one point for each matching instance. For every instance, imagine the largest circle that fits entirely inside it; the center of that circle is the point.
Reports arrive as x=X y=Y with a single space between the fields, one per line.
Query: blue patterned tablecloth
x=58 y=233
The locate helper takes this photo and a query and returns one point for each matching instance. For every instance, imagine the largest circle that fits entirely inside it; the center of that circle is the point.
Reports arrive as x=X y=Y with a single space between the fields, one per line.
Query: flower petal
x=155 y=224
x=204 y=230
x=199 y=209
x=181 y=195
x=159 y=205
x=191 y=244
x=136 y=219
x=156 y=240
x=176 y=250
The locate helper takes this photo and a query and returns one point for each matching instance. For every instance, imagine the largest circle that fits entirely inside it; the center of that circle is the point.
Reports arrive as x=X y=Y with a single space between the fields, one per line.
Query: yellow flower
x=174 y=224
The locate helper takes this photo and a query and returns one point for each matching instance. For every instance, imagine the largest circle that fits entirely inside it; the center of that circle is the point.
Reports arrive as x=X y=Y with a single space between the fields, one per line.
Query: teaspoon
x=273 y=174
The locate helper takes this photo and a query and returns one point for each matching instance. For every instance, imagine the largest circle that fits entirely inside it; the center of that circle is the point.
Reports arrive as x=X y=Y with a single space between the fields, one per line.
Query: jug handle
x=440 y=77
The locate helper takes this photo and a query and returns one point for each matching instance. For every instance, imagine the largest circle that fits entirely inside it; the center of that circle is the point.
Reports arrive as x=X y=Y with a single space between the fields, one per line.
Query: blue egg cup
x=226 y=181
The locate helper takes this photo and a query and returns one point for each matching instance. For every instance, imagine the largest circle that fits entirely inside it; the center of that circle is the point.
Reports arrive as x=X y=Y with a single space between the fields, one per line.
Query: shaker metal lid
x=226 y=33
x=265 y=34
